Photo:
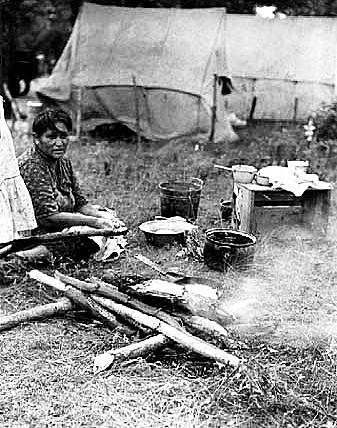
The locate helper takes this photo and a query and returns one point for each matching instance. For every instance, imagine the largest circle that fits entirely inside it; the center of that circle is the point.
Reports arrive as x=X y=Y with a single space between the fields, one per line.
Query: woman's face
x=54 y=143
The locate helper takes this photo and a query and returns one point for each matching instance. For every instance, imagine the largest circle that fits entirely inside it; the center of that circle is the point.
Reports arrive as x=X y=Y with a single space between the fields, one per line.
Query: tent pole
x=78 y=111
x=252 y=109
x=295 y=109
x=211 y=136
x=148 y=110
x=295 y=102
x=136 y=108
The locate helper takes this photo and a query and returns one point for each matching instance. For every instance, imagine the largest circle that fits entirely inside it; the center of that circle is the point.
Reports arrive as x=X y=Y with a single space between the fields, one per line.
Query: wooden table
x=260 y=208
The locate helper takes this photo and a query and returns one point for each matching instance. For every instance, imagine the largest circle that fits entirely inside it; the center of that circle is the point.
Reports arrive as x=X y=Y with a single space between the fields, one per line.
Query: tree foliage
x=27 y=9
x=30 y=17
x=46 y=24
x=290 y=7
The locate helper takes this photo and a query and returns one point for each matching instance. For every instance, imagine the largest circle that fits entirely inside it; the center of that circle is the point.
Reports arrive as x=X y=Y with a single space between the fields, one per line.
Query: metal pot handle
x=160 y=217
x=197 y=180
x=221 y=247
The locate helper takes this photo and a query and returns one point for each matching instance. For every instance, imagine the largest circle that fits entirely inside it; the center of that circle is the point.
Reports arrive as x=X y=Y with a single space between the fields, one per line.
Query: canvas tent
x=171 y=55
x=289 y=65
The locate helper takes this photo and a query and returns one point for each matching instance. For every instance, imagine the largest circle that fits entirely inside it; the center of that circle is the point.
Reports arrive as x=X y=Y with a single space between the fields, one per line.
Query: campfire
x=159 y=313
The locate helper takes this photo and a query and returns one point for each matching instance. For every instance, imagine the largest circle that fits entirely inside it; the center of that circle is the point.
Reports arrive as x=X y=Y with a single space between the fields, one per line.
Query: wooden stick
x=147 y=109
x=80 y=300
x=47 y=237
x=88 y=287
x=195 y=298
x=38 y=312
x=78 y=97
x=107 y=290
x=182 y=337
x=295 y=108
x=136 y=109
x=201 y=324
x=135 y=350
x=5 y=250
x=32 y=241
x=205 y=326
x=138 y=349
x=252 y=110
x=47 y=280
x=213 y=119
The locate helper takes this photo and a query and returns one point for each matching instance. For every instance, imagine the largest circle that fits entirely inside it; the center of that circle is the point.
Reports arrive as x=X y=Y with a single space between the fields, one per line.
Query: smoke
x=291 y=285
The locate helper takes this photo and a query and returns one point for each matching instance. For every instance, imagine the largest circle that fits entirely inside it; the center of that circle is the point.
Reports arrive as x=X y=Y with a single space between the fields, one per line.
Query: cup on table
x=299 y=168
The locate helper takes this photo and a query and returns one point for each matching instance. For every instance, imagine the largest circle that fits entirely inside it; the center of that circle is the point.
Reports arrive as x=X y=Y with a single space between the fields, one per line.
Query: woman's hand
x=65 y=219
x=104 y=219
x=103 y=223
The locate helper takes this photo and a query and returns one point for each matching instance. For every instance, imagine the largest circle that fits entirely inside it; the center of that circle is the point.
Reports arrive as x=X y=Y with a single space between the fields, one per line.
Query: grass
x=286 y=339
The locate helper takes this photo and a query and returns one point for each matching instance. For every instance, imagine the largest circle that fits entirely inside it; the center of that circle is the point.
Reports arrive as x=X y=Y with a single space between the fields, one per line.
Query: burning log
x=198 y=299
x=198 y=324
x=107 y=290
x=77 y=283
x=205 y=326
x=116 y=305
x=138 y=349
x=201 y=324
x=183 y=338
x=38 y=312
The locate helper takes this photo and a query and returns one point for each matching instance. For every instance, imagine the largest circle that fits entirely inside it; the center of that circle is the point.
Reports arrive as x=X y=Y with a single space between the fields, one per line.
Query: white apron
x=16 y=209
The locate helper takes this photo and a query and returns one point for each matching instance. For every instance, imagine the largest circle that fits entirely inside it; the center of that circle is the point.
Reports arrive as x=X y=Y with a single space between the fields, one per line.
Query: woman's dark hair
x=48 y=119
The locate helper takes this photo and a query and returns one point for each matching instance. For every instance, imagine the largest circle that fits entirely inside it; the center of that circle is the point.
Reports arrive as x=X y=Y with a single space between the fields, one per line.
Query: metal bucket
x=180 y=198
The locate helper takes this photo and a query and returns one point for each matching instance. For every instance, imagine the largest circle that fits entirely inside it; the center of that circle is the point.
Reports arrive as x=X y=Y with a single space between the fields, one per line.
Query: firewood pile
x=164 y=313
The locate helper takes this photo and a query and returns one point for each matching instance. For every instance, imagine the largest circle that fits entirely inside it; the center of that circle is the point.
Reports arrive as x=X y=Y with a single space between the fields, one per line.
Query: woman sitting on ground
x=56 y=195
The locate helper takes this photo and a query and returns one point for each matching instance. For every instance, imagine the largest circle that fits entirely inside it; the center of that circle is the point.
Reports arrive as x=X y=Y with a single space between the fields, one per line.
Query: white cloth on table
x=284 y=178
x=16 y=210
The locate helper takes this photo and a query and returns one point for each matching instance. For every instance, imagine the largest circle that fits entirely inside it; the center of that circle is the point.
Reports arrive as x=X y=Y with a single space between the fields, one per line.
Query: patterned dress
x=55 y=190
x=52 y=190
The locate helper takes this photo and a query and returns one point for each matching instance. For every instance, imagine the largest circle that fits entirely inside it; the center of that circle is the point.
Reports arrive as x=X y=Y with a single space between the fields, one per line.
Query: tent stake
x=211 y=137
x=136 y=108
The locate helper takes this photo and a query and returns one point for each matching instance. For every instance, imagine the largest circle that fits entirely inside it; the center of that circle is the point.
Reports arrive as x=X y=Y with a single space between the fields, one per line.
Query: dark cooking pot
x=226 y=248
